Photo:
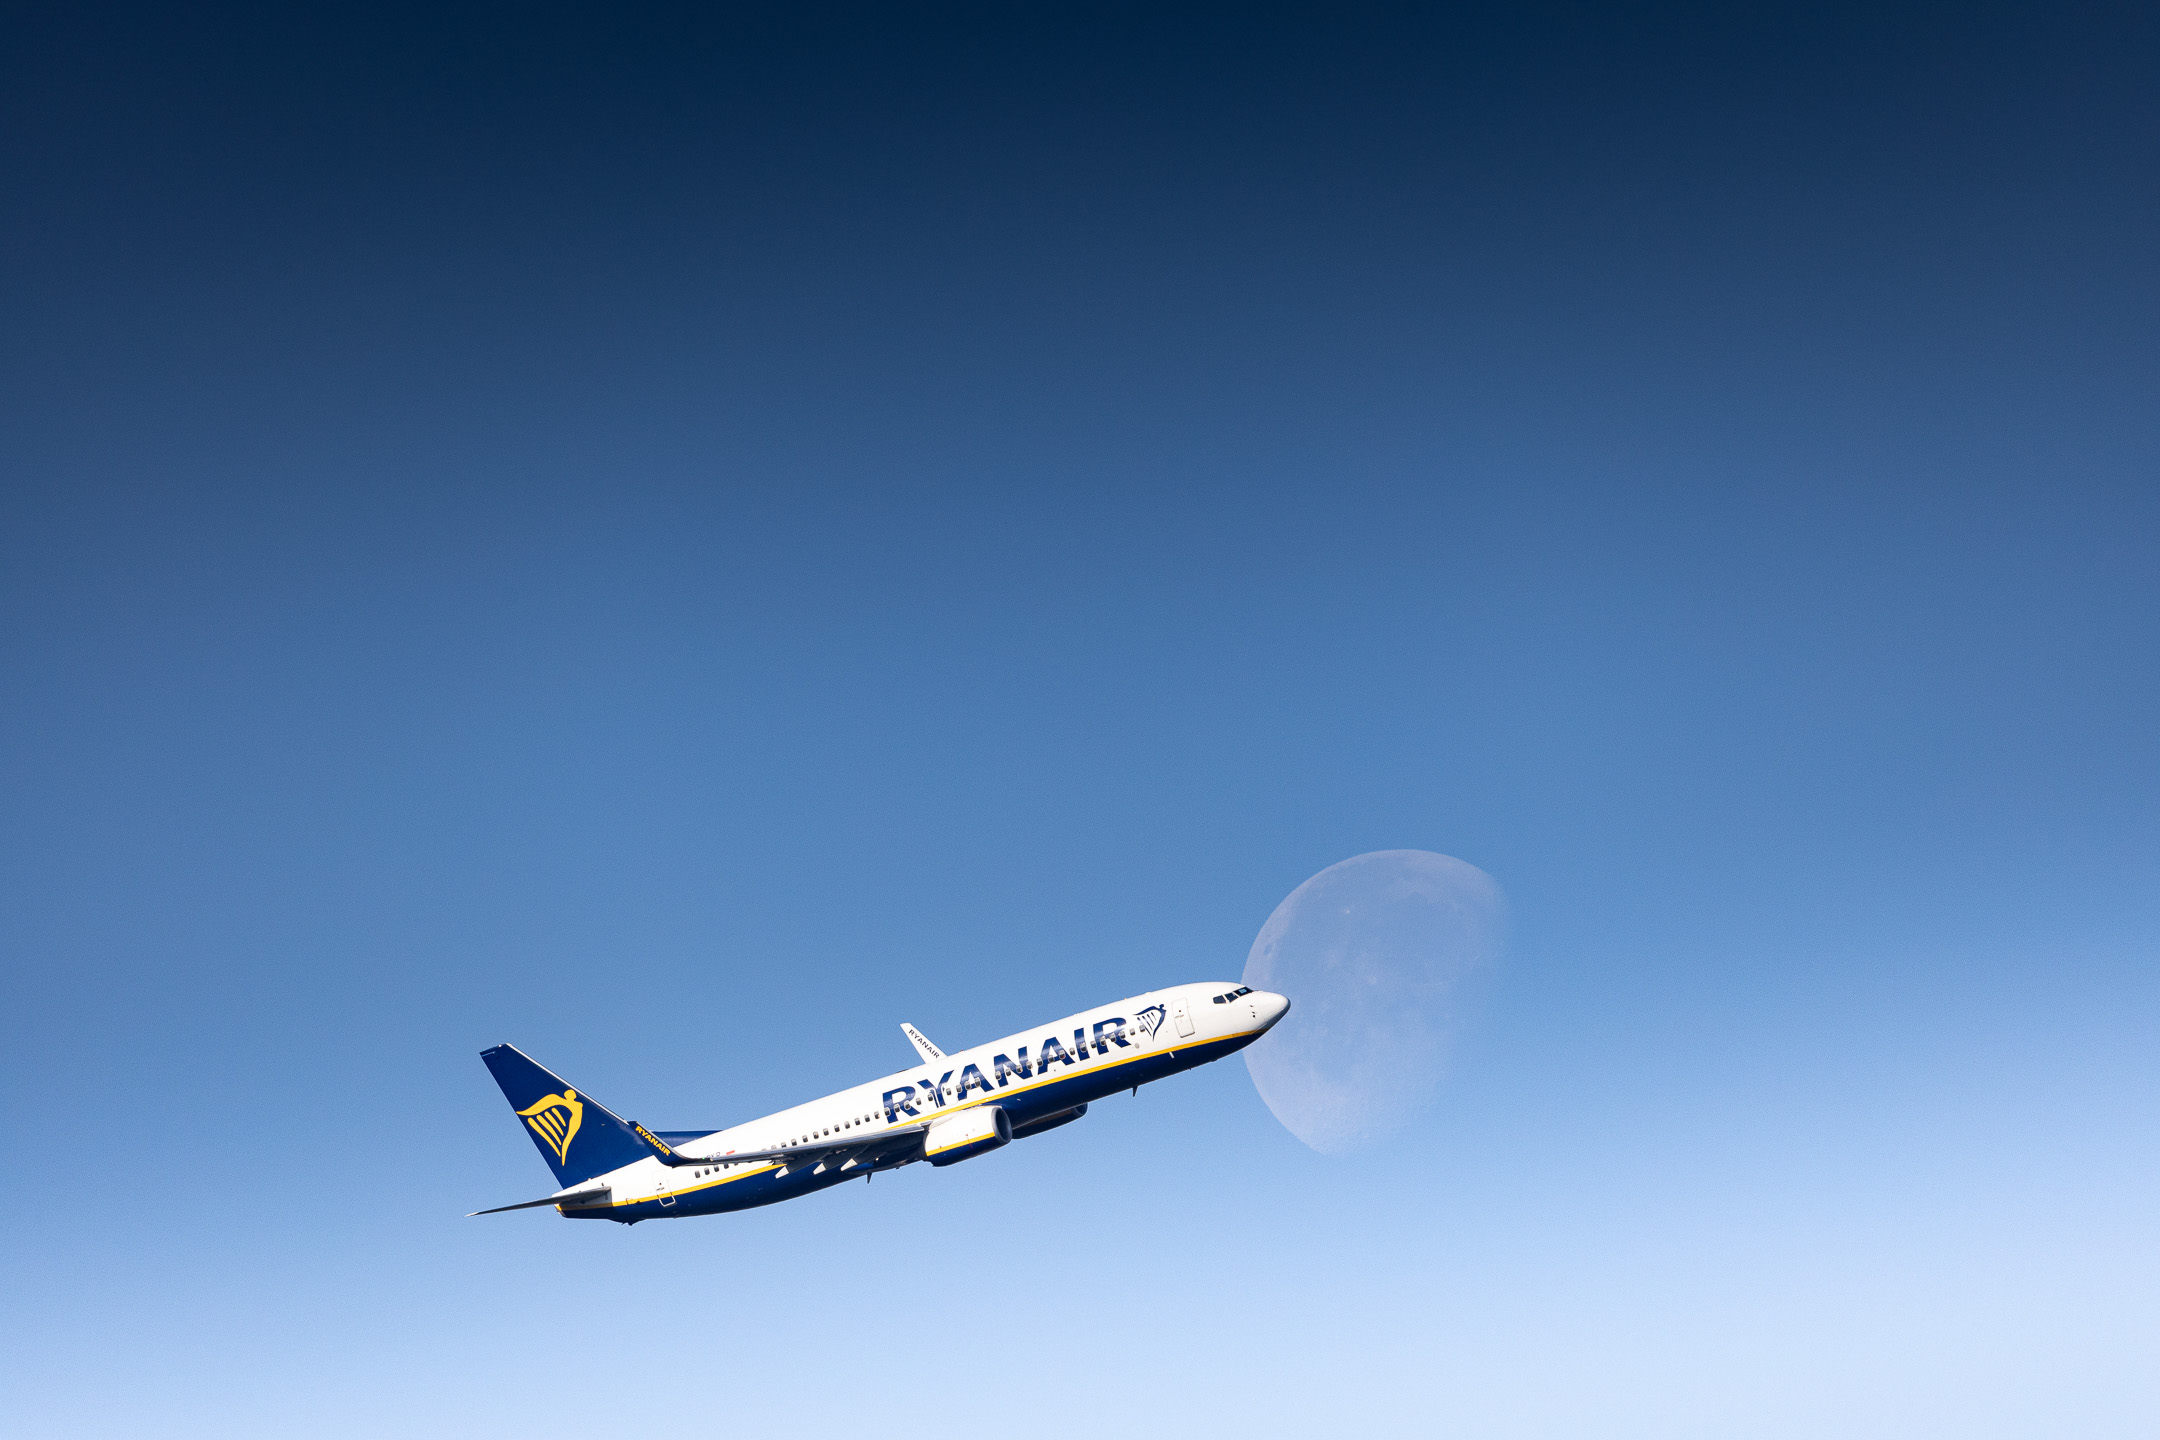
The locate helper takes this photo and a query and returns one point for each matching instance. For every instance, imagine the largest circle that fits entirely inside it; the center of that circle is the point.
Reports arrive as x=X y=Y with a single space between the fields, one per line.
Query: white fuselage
x=1038 y=1077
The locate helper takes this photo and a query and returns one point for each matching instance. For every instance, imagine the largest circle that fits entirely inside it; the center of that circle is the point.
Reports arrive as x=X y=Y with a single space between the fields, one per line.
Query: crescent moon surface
x=1374 y=953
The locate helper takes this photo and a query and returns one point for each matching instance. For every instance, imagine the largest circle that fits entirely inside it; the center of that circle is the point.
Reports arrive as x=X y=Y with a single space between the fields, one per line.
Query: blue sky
x=681 y=544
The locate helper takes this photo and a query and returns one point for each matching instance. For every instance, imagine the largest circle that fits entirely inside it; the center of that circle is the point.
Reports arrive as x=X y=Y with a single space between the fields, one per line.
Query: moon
x=1373 y=953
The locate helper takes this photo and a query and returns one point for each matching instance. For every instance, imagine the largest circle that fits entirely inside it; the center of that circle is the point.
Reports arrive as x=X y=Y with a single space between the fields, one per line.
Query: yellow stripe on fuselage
x=1039 y=1081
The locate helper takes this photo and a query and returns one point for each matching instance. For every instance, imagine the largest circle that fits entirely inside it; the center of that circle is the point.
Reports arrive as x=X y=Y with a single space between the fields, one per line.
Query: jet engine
x=972 y=1132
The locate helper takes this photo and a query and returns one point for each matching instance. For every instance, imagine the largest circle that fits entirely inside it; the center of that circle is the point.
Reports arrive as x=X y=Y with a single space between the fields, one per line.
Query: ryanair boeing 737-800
x=948 y=1109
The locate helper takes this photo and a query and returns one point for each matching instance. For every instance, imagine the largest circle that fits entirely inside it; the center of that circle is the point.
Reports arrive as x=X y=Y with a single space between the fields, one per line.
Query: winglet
x=922 y=1045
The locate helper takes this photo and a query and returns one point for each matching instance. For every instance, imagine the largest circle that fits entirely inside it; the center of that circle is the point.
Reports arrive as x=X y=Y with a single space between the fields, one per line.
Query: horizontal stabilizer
x=575 y=1197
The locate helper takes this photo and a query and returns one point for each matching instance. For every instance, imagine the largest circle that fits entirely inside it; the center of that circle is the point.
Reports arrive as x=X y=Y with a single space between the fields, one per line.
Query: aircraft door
x=1182 y=1017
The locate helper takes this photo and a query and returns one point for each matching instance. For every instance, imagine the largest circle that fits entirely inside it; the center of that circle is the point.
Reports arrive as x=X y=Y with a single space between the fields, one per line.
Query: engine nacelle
x=963 y=1136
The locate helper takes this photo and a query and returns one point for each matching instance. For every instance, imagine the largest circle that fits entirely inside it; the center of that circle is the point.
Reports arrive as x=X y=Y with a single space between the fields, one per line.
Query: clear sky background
x=681 y=542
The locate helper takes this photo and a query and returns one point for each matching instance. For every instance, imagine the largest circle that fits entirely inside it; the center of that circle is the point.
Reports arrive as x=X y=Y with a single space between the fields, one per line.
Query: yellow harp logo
x=555 y=1119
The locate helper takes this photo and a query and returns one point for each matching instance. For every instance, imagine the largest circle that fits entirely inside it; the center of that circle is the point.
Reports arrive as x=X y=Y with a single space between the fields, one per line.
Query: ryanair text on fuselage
x=951 y=1108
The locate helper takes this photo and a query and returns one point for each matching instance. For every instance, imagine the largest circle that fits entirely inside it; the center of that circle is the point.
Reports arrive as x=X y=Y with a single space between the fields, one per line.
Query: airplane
x=947 y=1109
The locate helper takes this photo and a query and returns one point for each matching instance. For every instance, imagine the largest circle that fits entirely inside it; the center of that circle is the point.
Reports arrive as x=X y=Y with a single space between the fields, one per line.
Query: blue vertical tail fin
x=577 y=1135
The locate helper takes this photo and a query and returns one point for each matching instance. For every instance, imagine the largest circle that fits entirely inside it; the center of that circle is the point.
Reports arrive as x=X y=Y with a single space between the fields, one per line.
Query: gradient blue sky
x=683 y=542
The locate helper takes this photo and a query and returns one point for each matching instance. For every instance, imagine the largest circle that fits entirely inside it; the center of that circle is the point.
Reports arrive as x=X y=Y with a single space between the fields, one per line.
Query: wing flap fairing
x=905 y=1137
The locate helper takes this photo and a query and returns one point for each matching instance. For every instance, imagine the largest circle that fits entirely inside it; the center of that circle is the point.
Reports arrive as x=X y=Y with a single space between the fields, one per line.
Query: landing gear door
x=1181 y=1017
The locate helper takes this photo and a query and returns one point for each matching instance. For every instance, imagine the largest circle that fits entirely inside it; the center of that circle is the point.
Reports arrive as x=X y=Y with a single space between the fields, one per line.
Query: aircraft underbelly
x=1079 y=1088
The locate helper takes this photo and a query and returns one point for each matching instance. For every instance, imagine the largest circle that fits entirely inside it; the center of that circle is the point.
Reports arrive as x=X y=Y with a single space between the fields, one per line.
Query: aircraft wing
x=837 y=1148
x=835 y=1152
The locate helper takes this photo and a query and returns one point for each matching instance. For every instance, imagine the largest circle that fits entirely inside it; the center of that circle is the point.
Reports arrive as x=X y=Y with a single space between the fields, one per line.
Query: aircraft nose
x=1272 y=1007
